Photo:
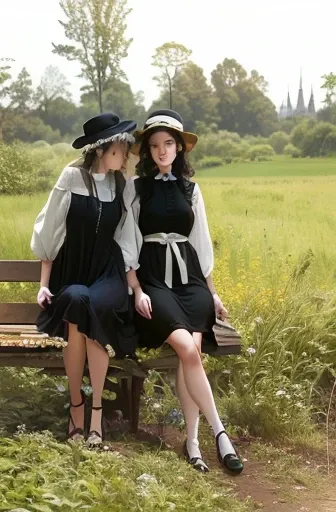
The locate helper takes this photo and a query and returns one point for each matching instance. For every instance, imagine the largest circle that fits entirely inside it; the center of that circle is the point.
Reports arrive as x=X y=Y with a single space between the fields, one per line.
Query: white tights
x=194 y=391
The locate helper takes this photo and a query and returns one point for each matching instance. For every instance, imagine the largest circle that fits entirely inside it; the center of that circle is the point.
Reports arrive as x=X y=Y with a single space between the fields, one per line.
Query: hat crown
x=99 y=123
x=165 y=113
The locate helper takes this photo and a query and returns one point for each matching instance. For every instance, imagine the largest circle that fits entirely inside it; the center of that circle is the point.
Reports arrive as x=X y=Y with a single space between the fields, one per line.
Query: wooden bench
x=22 y=346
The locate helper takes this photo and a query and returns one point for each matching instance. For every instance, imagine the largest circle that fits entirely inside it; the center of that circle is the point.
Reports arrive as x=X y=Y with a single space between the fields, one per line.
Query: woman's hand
x=143 y=303
x=221 y=311
x=44 y=296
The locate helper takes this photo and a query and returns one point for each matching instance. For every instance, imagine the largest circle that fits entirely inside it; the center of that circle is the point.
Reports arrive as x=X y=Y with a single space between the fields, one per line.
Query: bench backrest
x=19 y=271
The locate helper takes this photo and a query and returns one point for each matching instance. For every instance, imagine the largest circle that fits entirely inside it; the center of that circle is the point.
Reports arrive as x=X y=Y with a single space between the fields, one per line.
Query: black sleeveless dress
x=165 y=207
x=88 y=278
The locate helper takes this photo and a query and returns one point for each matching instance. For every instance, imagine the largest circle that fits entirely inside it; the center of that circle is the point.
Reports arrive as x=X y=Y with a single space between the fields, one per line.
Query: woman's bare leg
x=74 y=356
x=98 y=361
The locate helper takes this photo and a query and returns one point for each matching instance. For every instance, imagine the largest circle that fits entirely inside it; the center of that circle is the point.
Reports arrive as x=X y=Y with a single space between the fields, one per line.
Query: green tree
x=21 y=92
x=119 y=98
x=259 y=81
x=97 y=29
x=242 y=105
x=5 y=77
x=53 y=85
x=193 y=98
x=329 y=85
x=169 y=58
x=61 y=115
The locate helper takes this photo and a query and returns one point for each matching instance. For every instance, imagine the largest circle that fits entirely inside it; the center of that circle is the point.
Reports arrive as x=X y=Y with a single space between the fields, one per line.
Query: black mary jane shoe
x=230 y=461
x=76 y=433
x=196 y=462
x=95 y=438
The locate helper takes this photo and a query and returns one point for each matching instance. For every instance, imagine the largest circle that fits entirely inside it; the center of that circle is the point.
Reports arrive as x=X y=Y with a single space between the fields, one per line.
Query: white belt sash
x=171 y=240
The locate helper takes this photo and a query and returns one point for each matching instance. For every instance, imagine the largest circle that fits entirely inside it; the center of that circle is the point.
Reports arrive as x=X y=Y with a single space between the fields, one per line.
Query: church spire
x=300 y=106
x=311 y=104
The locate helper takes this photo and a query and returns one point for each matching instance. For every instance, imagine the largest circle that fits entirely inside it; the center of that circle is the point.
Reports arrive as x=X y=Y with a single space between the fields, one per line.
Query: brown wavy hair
x=146 y=167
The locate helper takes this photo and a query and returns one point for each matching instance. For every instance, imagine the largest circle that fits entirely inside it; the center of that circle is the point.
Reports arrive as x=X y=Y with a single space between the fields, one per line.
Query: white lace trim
x=118 y=137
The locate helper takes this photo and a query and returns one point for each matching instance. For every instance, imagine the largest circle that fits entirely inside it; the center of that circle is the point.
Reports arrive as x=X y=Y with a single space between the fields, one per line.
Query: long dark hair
x=86 y=165
x=146 y=167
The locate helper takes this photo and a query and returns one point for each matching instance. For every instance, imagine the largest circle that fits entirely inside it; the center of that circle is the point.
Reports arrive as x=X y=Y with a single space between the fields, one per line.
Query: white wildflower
x=147 y=478
x=156 y=405
x=258 y=320
x=280 y=392
x=251 y=351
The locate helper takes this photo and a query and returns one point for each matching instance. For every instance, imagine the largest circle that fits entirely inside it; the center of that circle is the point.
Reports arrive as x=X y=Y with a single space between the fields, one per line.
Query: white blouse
x=50 y=225
x=130 y=237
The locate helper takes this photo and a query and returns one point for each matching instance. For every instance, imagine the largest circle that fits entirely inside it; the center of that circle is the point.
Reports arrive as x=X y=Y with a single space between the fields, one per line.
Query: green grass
x=44 y=475
x=273 y=226
x=280 y=167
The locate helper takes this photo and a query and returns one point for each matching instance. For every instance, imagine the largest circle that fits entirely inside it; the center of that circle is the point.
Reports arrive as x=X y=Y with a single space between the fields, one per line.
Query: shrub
x=62 y=147
x=16 y=171
x=40 y=144
x=278 y=141
x=227 y=146
x=261 y=152
x=330 y=142
x=291 y=150
x=314 y=141
x=210 y=161
x=300 y=131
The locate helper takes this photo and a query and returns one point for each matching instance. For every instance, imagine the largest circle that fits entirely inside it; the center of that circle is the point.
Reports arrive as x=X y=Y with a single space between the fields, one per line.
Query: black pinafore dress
x=165 y=207
x=88 y=279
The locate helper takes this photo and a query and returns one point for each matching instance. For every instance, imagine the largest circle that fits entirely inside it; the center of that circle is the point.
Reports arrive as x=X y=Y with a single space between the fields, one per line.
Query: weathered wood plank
x=24 y=271
x=25 y=329
x=18 y=313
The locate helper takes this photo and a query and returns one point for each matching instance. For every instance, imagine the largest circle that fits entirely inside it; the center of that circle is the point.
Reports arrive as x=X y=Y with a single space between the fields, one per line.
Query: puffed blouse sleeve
x=200 y=236
x=128 y=235
x=50 y=225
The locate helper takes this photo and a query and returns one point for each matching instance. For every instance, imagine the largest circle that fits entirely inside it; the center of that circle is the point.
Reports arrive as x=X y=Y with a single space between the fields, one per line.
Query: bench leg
x=136 y=390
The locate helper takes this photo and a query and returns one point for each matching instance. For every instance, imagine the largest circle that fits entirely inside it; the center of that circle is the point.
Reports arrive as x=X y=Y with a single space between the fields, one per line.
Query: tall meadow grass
x=273 y=230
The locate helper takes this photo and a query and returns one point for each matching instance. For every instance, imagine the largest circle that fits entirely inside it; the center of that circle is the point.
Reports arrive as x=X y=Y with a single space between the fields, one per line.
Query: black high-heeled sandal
x=76 y=430
x=230 y=461
x=196 y=462
x=95 y=439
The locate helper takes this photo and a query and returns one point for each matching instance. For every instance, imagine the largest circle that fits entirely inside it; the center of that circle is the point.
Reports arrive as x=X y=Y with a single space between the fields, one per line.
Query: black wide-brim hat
x=165 y=118
x=101 y=129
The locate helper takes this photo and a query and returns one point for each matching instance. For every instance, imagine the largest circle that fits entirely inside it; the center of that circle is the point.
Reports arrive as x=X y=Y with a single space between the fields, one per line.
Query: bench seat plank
x=18 y=313
x=20 y=271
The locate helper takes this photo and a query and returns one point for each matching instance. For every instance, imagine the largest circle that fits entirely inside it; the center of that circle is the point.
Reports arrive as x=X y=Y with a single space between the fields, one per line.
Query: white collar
x=99 y=176
x=168 y=176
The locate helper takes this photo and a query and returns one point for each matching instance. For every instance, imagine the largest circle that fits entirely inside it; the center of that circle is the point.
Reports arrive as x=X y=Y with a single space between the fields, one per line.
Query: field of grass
x=273 y=226
x=281 y=166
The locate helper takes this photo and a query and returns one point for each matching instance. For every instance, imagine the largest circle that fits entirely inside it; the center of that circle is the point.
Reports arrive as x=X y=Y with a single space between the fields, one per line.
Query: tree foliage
x=97 y=29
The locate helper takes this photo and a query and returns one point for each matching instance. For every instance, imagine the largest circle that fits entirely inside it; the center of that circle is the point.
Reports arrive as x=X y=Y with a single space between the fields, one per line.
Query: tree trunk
x=100 y=92
x=170 y=90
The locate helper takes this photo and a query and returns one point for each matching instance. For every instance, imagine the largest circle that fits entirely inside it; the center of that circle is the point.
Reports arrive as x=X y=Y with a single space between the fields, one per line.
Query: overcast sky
x=275 y=37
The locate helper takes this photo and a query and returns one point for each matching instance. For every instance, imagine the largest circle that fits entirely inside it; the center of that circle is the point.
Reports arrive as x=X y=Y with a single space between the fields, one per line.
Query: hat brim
x=190 y=139
x=122 y=127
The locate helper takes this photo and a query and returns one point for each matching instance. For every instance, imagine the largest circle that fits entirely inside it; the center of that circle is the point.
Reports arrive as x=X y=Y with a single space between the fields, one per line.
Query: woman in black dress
x=83 y=288
x=172 y=255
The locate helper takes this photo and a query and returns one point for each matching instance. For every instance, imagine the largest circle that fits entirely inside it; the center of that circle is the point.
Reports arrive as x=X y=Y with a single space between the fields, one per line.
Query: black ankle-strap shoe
x=76 y=431
x=230 y=461
x=95 y=438
x=196 y=462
